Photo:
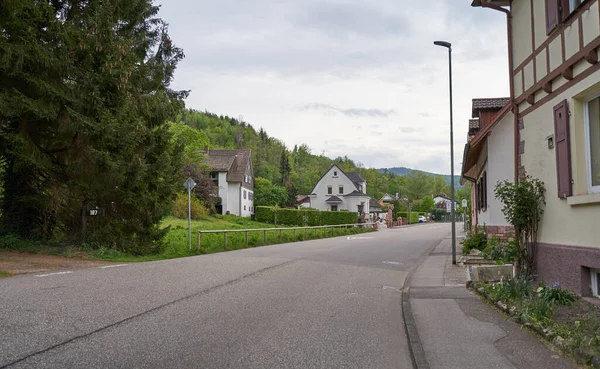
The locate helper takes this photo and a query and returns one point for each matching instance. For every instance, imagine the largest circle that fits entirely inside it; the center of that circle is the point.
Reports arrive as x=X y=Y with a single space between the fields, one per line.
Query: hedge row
x=414 y=216
x=303 y=217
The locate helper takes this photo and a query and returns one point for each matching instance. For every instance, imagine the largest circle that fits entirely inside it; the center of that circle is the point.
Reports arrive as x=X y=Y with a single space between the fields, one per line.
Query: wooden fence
x=265 y=230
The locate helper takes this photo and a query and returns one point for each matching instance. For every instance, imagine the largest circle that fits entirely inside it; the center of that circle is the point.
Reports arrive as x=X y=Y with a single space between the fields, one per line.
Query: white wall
x=501 y=165
x=329 y=180
x=247 y=203
x=223 y=190
x=233 y=193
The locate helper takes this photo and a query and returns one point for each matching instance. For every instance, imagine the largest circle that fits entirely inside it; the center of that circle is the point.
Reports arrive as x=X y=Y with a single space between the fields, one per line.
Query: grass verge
x=4 y=274
x=568 y=321
x=176 y=240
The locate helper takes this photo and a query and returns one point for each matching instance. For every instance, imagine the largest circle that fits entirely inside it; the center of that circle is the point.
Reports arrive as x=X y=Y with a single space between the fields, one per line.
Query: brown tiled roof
x=489 y=103
x=234 y=162
x=473 y=124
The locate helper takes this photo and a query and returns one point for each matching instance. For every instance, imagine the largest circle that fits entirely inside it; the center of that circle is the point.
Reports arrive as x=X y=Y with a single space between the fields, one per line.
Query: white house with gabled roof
x=339 y=190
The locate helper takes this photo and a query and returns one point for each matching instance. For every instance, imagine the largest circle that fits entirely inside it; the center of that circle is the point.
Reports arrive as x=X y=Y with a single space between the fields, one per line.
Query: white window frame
x=594 y=277
x=588 y=148
x=330 y=188
x=335 y=174
x=341 y=189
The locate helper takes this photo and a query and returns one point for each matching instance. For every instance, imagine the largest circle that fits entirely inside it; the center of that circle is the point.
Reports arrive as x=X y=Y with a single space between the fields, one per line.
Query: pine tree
x=84 y=98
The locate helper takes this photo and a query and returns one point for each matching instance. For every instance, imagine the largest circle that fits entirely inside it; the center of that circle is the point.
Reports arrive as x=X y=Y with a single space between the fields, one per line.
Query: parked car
x=422 y=219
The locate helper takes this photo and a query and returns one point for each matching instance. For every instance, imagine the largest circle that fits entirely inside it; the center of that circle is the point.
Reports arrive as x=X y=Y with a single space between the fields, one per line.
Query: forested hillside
x=296 y=169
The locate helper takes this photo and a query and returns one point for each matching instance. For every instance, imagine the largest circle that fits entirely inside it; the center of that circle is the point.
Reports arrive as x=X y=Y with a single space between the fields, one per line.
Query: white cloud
x=355 y=77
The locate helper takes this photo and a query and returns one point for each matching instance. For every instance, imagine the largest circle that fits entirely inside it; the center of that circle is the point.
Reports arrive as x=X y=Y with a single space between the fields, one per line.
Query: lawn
x=176 y=241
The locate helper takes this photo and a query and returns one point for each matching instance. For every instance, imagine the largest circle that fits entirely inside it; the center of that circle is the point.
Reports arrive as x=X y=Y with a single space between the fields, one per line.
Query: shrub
x=556 y=295
x=180 y=208
x=475 y=240
x=10 y=242
x=264 y=214
x=303 y=217
x=501 y=251
x=414 y=216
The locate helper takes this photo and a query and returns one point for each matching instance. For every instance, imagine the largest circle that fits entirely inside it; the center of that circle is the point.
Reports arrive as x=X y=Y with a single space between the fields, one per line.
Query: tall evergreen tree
x=84 y=98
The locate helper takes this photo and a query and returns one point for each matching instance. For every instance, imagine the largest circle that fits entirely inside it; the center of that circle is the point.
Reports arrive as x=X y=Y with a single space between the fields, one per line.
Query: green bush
x=501 y=251
x=303 y=217
x=556 y=295
x=11 y=242
x=475 y=240
x=414 y=216
x=197 y=209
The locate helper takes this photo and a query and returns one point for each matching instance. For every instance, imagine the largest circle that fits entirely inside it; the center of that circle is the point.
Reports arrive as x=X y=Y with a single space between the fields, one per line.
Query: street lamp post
x=452 y=209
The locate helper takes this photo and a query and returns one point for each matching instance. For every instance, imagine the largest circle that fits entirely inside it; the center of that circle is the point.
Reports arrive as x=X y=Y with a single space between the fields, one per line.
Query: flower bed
x=568 y=321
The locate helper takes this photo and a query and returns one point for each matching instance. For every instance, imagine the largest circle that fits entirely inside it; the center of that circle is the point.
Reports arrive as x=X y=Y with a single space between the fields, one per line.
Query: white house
x=440 y=201
x=386 y=199
x=488 y=159
x=232 y=172
x=338 y=190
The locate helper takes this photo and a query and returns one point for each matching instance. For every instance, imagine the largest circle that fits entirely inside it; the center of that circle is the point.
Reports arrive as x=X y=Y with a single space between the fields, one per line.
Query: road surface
x=332 y=303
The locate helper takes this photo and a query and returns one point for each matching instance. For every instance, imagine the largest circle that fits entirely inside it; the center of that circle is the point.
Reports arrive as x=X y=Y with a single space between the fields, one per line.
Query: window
x=592 y=133
x=250 y=195
x=341 y=190
x=573 y=4
x=334 y=208
x=557 y=11
x=214 y=176
x=595 y=274
x=329 y=190
x=335 y=174
x=481 y=192
x=244 y=207
x=244 y=194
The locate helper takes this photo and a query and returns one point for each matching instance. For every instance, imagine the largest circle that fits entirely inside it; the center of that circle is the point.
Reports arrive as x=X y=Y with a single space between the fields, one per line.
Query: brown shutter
x=562 y=147
x=564 y=10
x=552 y=14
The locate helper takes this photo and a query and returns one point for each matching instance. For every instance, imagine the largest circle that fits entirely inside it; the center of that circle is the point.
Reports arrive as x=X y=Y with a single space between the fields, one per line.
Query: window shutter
x=552 y=14
x=562 y=146
x=564 y=10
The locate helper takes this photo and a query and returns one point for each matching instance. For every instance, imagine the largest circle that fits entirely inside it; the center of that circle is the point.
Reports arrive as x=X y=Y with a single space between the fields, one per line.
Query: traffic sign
x=189 y=184
x=464 y=203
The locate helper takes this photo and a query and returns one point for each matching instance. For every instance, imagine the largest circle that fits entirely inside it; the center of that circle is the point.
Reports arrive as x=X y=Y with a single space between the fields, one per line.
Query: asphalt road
x=333 y=303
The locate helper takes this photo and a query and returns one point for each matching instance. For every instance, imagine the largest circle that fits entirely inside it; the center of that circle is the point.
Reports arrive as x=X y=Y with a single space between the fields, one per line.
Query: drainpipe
x=515 y=108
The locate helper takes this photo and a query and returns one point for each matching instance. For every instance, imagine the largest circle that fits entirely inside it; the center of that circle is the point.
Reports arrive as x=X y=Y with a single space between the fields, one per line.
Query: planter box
x=490 y=273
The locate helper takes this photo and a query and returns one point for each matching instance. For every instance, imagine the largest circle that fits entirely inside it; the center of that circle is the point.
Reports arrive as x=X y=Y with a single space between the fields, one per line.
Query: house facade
x=338 y=190
x=233 y=175
x=555 y=91
x=440 y=201
x=488 y=159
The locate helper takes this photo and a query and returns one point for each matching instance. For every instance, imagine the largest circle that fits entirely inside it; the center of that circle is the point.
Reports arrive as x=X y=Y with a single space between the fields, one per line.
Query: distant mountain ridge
x=403 y=171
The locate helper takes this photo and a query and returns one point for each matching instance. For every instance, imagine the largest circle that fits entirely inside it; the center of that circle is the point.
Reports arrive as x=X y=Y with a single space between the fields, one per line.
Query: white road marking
x=111 y=266
x=57 y=273
x=391 y=262
x=358 y=238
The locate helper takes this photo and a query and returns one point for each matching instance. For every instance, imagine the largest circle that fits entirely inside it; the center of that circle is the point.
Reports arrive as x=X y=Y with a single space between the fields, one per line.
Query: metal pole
x=189 y=220
x=452 y=211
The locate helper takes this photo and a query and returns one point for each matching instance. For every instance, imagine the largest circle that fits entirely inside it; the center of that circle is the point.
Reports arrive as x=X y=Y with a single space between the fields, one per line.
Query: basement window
x=595 y=274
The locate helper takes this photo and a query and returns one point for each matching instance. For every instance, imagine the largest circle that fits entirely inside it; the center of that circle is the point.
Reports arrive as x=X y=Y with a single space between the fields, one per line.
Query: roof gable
x=334 y=167
x=234 y=162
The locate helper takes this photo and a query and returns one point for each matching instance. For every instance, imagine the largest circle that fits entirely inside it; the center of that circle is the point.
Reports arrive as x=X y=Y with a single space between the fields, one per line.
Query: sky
x=354 y=78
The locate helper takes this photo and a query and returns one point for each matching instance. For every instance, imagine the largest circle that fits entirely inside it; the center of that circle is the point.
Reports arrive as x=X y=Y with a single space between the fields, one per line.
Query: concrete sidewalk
x=449 y=327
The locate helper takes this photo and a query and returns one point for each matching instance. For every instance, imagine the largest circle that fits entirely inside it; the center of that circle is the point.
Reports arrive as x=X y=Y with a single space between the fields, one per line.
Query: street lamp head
x=443 y=43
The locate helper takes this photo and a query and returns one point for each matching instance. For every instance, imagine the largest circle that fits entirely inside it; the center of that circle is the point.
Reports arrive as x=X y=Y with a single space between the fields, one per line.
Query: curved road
x=332 y=303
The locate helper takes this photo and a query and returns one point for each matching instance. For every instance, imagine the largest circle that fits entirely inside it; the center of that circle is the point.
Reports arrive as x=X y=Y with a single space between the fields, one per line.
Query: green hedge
x=303 y=217
x=414 y=216
x=264 y=214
